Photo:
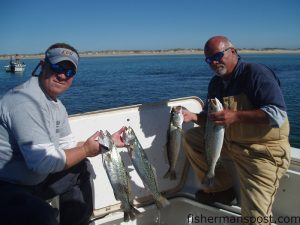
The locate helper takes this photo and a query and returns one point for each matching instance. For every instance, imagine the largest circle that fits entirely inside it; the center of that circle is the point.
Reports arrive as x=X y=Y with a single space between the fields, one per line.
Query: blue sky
x=31 y=26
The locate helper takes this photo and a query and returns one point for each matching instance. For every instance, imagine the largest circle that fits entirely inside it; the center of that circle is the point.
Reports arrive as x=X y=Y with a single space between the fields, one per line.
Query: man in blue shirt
x=256 y=131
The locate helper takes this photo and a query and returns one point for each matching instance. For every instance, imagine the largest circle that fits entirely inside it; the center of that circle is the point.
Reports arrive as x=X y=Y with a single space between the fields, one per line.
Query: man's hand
x=117 y=138
x=91 y=146
x=227 y=117
x=189 y=116
x=224 y=117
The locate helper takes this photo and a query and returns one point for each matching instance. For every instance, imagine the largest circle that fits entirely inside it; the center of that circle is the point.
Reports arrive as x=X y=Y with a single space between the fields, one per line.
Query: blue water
x=107 y=82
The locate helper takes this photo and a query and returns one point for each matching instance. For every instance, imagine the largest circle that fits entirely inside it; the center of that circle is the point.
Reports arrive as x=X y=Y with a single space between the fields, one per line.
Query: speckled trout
x=174 y=137
x=143 y=167
x=214 y=136
x=117 y=175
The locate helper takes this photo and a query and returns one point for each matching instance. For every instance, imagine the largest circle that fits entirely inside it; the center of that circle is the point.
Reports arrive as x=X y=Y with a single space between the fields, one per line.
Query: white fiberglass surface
x=150 y=123
x=181 y=211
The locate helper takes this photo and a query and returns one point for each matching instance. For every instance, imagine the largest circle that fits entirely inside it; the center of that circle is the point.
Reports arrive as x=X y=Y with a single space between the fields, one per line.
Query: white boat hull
x=150 y=123
x=15 y=68
x=181 y=211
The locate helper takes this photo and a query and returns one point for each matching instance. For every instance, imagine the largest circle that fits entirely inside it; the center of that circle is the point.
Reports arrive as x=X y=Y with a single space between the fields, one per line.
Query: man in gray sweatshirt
x=39 y=157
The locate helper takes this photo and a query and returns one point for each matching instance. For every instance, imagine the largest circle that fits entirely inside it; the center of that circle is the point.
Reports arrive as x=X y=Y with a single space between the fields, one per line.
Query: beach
x=153 y=52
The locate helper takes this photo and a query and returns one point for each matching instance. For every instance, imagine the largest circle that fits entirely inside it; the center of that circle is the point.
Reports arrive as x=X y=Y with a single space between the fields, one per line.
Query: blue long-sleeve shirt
x=261 y=86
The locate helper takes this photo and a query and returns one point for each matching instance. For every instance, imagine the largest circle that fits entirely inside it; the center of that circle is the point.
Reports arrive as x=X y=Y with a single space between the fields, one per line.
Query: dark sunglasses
x=216 y=57
x=56 y=68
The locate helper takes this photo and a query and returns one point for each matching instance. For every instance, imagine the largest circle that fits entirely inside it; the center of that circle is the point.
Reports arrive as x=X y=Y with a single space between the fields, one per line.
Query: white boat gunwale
x=187 y=183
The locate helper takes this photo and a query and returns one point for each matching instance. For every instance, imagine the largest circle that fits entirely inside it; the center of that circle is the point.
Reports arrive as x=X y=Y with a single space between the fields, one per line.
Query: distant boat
x=15 y=66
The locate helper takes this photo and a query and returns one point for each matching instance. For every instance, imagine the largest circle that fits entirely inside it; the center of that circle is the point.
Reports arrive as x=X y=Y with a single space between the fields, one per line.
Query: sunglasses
x=216 y=57
x=56 y=68
x=61 y=70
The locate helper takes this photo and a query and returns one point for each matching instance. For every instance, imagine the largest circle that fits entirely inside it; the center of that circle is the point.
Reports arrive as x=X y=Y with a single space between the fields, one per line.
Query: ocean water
x=108 y=82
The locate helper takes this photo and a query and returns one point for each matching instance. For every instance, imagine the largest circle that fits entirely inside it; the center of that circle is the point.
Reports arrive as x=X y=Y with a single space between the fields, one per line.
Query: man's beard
x=221 y=70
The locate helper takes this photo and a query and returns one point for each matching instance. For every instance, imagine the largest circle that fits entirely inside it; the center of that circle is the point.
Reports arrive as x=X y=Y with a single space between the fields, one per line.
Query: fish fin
x=116 y=196
x=209 y=179
x=129 y=190
x=126 y=216
x=220 y=161
x=162 y=202
x=154 y=172
x=173 y=175
x=136 y=212
x=165 y=153
x=170 y=174
x=167 y=174
x=128 y=175
x=129 y=149
x=131 y=215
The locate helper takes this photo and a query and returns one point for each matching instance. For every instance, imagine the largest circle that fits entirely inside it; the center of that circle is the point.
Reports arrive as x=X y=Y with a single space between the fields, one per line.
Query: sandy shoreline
x=154 y=52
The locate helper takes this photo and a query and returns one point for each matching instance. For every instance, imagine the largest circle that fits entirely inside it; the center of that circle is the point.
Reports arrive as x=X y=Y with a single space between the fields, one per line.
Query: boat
x=150 y=123
x=15 y=66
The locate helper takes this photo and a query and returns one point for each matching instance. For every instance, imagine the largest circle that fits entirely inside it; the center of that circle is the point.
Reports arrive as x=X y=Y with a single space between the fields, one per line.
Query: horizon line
x=175 y=51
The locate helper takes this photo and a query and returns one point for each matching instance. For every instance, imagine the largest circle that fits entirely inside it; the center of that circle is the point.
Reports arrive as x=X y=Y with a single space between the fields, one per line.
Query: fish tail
x=162 y=202
x=126 y=216
x=136 y=212
x=167 y=174
x=173 y=175
x=131 y=214
x=170 y=174
x=209 y=179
